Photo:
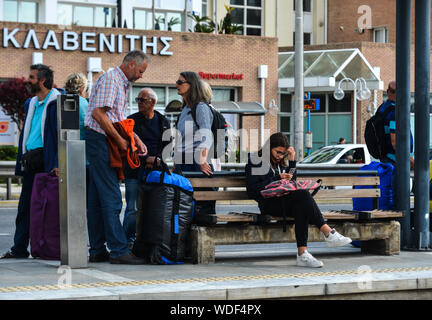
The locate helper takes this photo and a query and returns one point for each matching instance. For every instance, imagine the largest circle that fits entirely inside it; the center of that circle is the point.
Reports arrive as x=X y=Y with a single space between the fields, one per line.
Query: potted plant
x=158 y=20
x=172 y=22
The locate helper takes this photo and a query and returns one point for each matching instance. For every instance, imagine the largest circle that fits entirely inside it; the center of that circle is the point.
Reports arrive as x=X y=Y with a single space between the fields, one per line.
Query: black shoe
x=10 y=255
x=100 y=257
x=127 y=258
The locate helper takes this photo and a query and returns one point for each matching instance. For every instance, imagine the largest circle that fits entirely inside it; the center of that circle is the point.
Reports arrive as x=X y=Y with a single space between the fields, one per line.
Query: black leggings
x=300 y=205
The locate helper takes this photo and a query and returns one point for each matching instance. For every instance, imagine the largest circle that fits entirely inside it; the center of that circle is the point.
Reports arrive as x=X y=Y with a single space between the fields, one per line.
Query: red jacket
x=125 y=129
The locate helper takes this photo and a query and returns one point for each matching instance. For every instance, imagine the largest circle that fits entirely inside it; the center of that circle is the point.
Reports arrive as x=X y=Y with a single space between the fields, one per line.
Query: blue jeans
x=104 y=199
x=129 y=219
x=22 y=222
x=393 y=182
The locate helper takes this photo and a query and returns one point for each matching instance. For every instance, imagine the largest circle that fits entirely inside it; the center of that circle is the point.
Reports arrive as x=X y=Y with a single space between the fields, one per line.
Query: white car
x=339 y=155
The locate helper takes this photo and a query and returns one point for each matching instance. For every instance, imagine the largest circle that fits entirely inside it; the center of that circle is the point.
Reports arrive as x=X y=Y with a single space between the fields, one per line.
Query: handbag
x=33 y=160
x=282 y=187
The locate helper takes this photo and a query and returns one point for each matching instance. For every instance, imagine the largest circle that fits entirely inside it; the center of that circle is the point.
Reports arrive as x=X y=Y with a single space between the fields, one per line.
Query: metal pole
x=422 y=102
x=403 y=42
x=355 y=114
x=298 y=82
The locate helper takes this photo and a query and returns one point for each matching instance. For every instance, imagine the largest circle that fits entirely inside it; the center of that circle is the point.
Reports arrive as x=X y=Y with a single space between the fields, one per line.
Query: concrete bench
x=378 y=230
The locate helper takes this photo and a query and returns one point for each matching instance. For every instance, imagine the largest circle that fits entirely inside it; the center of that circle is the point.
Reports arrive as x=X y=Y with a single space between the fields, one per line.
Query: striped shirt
x=110 y=90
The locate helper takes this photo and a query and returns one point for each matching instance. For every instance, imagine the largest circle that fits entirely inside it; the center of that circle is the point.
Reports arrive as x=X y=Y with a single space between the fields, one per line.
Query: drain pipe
x=262 y=74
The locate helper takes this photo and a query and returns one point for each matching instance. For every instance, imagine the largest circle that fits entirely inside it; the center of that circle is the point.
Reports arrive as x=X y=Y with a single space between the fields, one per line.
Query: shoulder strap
x=193 y=112
x=388 y=110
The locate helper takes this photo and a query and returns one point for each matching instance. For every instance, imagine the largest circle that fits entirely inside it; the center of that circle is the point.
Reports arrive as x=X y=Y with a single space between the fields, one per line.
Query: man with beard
x=38 y=145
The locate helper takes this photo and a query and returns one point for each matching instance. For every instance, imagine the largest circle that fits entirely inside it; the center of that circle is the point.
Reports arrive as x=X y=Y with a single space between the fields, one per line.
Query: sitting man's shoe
x=307 y=260
x=127 y=258
x=335 y=239
x=10 y=255
x=100 y=257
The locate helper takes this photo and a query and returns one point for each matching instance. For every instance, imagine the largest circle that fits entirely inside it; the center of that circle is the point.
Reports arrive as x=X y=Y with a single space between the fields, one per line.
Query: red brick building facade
x=170 y=53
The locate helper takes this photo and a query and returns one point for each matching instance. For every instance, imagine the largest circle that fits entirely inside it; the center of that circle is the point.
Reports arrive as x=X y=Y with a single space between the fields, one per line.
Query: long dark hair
x=195 y=94
x=277 y=139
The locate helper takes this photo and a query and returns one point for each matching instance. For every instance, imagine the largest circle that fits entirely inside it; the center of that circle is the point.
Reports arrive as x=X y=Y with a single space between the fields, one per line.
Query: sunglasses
x=179 y=82
x=141 y=100
x=283 y=154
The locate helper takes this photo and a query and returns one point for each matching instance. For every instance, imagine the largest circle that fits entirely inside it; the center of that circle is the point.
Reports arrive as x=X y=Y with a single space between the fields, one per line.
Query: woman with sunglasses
x=192 y=151
x=280 y=164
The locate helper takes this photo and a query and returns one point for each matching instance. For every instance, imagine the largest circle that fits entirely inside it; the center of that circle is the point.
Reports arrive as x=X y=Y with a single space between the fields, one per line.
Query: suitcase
x=44 y=217
x=165 y=213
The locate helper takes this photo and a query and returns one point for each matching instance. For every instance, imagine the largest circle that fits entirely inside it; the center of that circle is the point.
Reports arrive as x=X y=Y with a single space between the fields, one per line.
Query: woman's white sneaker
x=307 y=260
x=335 y=239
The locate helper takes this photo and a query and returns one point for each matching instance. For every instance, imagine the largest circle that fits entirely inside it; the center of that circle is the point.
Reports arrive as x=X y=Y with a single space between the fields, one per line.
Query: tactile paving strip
x=206 y=280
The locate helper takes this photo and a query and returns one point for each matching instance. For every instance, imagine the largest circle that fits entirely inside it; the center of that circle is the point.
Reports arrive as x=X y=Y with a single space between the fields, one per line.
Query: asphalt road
x=8 y=215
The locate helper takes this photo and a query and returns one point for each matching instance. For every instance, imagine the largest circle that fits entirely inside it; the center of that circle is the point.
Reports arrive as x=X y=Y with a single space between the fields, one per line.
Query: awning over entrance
x=242 y=108
x=323 y=69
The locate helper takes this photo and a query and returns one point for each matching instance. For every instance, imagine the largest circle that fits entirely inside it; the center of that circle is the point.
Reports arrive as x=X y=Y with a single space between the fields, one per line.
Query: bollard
x=72 y=184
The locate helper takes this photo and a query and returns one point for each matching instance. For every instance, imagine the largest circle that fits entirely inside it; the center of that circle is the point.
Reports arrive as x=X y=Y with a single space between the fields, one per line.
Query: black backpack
x=219 y=122
x=375 y=134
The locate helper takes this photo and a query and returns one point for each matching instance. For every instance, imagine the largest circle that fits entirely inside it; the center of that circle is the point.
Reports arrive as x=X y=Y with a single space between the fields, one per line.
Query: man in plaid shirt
x=108 y=104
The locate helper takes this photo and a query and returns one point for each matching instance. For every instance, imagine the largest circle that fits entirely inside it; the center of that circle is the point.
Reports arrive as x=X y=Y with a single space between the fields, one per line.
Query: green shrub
x=8 y=153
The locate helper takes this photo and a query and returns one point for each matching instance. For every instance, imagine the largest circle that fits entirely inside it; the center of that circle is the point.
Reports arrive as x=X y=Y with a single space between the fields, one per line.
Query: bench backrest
x=237 y=185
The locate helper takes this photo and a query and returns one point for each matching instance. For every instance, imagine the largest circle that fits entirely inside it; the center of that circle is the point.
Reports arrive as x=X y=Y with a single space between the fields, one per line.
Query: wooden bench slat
x=346 y=181
x=326 y=181
x=348 y=193
x=219 y=182
x=322 y=194
x=220 y=195
x=329 y=215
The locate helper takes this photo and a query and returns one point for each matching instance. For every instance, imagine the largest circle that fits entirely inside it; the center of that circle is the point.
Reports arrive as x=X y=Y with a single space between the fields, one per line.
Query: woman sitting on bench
x=299 y=204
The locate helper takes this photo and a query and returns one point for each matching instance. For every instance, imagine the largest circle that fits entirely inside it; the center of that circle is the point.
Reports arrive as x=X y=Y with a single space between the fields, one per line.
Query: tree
x=203 y=24
x=13 y=94
x=226 y=26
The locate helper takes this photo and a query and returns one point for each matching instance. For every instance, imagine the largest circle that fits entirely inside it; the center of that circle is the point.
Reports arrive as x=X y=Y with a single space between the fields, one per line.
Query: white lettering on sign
x=51 y=40
x=10 y=37
x=103 y=41
x=87 y=39
x=31 y=36
x=165 y=41
x=90 y=41
x=70 y=41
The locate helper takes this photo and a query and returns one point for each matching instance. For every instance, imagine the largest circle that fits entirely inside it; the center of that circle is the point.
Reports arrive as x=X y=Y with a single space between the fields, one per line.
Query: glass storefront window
x=10 y=10
x=247 y=14
x=322 y=98
x=104 y=17
x=286 y=103
x=90 y=16
x=254 y=17
x=29 y=12
x=64 y=14
x=20 y=11
x=170 y=4
x=139 y=19
x=172 y=17
x=254 y=3
x=285 y=125
x=83 y=16
x=343 y=105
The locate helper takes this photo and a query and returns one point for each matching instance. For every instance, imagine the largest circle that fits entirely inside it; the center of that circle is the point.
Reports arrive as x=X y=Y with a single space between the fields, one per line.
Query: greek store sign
x=88 y=42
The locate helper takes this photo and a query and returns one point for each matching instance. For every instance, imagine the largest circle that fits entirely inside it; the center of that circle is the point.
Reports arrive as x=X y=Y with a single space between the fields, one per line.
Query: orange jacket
x=125 y=129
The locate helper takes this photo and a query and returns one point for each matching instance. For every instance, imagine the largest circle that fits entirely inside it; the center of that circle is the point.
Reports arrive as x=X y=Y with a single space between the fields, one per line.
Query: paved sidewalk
x=259 y=274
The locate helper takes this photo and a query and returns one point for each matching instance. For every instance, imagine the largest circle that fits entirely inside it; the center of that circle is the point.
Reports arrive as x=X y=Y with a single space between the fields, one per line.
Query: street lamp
x=361 y=92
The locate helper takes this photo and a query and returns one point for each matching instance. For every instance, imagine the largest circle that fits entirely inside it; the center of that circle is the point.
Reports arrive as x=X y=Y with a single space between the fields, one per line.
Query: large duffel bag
x=165 y=213
x=44 y=217
x=385 y=201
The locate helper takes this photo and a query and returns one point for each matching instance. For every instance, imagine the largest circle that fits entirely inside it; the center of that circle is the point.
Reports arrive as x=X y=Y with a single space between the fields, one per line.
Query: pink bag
x=282 y=187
